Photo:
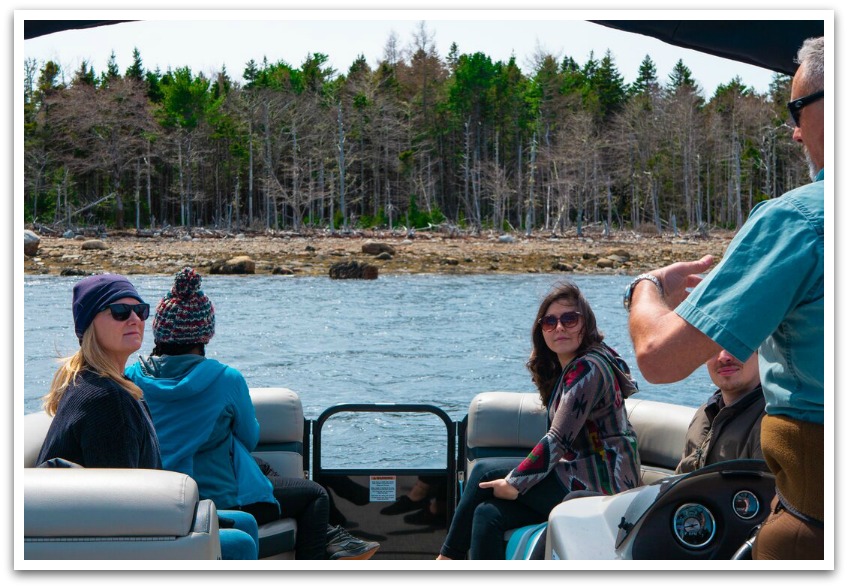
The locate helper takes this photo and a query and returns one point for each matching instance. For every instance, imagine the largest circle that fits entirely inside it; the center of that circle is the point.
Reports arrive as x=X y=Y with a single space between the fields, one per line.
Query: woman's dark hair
x=178 y=348
x=543 y=363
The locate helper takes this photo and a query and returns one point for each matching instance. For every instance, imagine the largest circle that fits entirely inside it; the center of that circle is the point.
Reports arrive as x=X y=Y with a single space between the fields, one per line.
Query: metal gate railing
x=369 y=501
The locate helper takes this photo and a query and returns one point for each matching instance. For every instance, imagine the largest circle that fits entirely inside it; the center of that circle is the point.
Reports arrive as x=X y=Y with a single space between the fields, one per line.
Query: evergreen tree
x=223 y=83
x=136 y=70
x=680 y=77
x=574 y=80
x=646 y=81
x=154 y=89
x=112 y=73
x=607 y=85
x=85 y=75
x=251 y=73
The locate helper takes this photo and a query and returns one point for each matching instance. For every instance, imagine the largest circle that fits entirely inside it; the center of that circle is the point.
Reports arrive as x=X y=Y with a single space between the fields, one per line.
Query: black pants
x=481 y=520
x=306 y=502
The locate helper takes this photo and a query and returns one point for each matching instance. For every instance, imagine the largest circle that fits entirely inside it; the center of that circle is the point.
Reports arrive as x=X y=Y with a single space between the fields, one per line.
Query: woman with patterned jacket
x=590 y=444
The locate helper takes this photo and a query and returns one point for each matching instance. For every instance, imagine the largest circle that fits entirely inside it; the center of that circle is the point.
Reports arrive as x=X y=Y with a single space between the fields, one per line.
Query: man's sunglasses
x=121 y=312
x=567 y=319
x=796 y=105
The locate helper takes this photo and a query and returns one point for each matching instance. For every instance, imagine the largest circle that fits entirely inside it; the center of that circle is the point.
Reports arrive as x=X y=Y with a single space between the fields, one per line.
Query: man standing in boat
x=727 y=426
x=768 y=294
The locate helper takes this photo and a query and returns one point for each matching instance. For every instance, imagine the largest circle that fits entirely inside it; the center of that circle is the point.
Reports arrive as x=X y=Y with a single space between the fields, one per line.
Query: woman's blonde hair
x=92 y=357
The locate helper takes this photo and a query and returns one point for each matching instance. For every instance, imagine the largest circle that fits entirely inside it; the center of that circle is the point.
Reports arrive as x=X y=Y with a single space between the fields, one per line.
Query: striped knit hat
x=185 y=315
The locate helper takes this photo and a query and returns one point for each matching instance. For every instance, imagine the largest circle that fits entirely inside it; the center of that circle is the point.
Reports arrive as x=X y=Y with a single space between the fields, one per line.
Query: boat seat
x=509 y=424
x=503 y=424
x=92 y=513
x=661 y=435
x=281 y=425
x=280 y=415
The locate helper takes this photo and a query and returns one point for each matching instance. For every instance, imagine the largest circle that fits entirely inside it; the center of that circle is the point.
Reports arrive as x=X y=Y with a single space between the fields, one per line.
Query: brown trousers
x=794 y=451
x=783 y=536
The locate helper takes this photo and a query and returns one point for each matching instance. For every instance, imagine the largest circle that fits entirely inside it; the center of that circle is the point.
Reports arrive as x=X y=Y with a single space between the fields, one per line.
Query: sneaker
x=343 y=545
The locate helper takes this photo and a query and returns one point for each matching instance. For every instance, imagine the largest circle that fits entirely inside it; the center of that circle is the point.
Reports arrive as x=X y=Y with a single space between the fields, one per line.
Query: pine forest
x=419 y=141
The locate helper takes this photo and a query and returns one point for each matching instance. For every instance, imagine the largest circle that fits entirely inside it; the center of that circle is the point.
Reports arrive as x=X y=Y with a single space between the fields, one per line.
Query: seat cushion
x=277 y=539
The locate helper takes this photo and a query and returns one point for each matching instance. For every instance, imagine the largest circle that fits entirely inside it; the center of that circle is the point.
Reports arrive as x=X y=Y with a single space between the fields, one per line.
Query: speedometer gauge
x=694 y=525
x=746 y=505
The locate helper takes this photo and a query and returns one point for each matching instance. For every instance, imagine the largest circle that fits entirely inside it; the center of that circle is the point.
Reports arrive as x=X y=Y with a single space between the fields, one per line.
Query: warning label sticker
x=383 y=488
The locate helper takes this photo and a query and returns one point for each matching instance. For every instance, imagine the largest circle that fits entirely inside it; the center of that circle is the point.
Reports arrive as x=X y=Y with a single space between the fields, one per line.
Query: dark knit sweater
x=100 y=425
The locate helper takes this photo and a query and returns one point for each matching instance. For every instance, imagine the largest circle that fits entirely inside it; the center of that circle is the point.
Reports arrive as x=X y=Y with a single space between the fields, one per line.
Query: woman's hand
x=501 y=488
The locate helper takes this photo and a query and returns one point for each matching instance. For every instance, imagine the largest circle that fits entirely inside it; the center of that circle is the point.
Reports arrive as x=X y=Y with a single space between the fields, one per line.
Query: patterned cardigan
x=590 y=444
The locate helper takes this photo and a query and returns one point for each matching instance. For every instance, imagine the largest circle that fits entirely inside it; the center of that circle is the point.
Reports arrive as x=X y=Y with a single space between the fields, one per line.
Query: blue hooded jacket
x=206 y=425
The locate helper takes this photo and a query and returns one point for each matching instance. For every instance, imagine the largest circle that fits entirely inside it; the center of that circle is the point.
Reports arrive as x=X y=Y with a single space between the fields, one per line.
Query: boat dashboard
x=707 y=514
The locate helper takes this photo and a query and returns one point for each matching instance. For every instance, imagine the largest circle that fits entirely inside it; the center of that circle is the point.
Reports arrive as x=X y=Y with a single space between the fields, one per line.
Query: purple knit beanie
x=92 y=294
x=185 y=315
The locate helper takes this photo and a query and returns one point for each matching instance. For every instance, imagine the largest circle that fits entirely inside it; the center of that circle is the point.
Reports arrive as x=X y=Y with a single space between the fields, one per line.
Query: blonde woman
x=99 y=419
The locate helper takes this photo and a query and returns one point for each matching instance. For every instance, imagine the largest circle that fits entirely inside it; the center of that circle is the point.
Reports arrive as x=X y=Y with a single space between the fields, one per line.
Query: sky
x=208 y=40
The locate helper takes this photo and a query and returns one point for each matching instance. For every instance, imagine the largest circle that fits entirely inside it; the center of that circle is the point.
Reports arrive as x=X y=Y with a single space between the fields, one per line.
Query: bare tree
x=104 y=131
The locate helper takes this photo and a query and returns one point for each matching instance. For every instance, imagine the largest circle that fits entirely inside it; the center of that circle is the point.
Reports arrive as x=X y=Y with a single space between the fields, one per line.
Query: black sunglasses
x=567 y=319
x=796 y=105
x=121 y=312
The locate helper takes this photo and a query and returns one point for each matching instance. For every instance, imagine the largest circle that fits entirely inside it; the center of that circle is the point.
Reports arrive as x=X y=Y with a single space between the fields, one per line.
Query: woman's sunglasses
x=121 y=312
x=566 y=319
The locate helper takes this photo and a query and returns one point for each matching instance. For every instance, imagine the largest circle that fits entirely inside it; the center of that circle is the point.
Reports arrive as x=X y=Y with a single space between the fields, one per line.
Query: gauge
x=746 y=505
x=694 y=525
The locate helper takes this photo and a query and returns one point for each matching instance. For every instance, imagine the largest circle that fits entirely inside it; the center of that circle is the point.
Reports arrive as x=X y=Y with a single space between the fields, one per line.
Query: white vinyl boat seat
x=79 y=513
x=280 y=415
x=509 y=424
x=281 y=426
x=503 y=424
x=660 y=434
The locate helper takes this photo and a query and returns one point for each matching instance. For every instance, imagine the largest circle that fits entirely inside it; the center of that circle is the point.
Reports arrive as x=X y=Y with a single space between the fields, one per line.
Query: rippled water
x=427 y=339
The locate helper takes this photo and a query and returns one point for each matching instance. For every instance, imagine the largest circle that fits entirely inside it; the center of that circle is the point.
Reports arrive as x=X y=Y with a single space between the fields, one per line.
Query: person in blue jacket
x=207 y=428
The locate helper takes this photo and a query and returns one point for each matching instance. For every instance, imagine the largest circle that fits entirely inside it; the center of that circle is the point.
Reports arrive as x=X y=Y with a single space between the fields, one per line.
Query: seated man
x=727 y=426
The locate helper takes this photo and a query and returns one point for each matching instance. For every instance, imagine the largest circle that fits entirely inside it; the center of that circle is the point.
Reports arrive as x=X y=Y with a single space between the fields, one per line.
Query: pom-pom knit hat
x=185 y=315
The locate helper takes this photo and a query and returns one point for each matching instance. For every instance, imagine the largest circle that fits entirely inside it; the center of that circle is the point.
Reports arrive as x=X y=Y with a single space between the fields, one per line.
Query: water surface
x=429 y=339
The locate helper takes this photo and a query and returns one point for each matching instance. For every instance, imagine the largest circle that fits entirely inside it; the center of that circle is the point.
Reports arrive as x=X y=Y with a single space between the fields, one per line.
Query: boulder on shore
x=376 y=248
x=237 y=265
x=353 y=270
x=31 y=242
x=94 y=245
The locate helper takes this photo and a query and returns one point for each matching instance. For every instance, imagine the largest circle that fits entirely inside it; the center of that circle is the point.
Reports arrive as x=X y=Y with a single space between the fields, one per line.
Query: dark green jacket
x=720 y=433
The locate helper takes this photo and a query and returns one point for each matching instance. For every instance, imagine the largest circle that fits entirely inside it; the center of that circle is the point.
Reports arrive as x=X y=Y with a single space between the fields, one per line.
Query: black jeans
x=306 y=502
x=481 y=520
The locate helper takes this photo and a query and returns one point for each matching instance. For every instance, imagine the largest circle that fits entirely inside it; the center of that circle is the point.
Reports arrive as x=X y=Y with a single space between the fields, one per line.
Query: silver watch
x=628 y=291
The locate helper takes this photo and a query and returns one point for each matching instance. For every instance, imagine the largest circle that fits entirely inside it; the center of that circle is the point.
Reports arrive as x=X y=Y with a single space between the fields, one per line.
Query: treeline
x=419 y=140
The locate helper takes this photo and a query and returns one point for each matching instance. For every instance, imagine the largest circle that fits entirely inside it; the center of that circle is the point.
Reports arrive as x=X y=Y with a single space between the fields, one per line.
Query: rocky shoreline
x=294 y=254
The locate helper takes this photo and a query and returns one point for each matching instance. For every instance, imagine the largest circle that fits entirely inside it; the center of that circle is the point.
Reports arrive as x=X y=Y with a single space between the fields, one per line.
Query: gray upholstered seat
x=280 y=415
x=79 y=513
x=509 y=424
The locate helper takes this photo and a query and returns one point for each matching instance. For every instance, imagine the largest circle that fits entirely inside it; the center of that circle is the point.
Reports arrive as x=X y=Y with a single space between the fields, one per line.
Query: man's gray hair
x=811 y=54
